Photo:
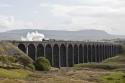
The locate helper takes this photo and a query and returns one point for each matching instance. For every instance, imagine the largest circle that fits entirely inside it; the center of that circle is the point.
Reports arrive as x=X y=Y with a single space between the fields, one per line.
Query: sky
x=71 y=15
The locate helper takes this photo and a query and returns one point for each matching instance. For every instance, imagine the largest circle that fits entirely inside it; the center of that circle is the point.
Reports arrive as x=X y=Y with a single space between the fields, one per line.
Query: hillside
x=9 y=51
x=119 y=59
x=110 y=71
x=60 y=35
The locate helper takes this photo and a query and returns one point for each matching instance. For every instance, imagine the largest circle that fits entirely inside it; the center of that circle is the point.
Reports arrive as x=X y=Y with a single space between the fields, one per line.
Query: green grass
x=99 y=66
x=10 y=54
x=114 y=77
x=14 y=73
x=116 y=62
x=119 y=59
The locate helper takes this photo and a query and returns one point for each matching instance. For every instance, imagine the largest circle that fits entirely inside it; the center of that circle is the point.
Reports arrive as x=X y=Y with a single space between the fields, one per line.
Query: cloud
x=73 y=15
x=6 y=21
x=9 y=22
x=106 y=15
x=5 y=5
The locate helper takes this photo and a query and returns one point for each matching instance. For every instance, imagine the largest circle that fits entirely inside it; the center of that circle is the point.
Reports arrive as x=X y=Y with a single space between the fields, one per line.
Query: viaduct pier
x=67 y=53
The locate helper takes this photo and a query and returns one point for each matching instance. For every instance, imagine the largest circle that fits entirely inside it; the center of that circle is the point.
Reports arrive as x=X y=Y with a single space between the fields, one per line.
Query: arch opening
x=40 y=50
x=31 y=51
x=56 y=62
x=80 y=54
x=48 y=53
x=63 y=55
x=100 y=53
x=76 y=55
x=85 y=54
x=89 y=53
x=93 y=54
x=103 y=52
x=106 y=51
x=97 y=53
x=70 y=55
x=22 y=47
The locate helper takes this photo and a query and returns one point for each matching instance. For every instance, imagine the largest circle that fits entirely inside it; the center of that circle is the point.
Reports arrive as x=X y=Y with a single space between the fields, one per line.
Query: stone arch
x=103 y=52
x=116 y=49
x=93 y=53
x=40 y=50
x=76 y=54
x=22 y=47
x=31 y=51
x=70 y=55
x=80 y=53
x=63 y=55
x=89 y=53
x=112 y=50
x=97 y=53
x=106 y=51
x=104 y=55
x=110 y=53
x=120 y=49
x=56 y=62
x=48 y=52
x=85 y=54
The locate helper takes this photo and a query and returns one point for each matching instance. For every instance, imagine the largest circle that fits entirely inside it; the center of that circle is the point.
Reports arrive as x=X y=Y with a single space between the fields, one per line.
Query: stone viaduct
x=67 y=53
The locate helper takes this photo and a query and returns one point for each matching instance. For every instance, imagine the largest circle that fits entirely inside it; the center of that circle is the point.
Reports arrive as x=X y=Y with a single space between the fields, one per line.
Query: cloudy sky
x=108 y=15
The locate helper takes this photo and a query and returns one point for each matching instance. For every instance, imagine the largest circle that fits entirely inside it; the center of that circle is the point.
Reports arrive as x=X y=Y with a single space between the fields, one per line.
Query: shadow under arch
x=80 y=53
x=48 y=53
x=85 y=53
x=97 y=53
x=31 y=51
x=110 y=50
x=89 y=53
x=56 y=62
x=40 y=50
x=104 y=55
x=22 y=47
x=103 y=52
x=76 y=54
x=70 y=55
x=93 y=53
x=63 y=55
x=106 y=51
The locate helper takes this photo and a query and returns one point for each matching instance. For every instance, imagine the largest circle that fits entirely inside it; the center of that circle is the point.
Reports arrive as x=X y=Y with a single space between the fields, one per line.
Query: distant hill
x=61 y=35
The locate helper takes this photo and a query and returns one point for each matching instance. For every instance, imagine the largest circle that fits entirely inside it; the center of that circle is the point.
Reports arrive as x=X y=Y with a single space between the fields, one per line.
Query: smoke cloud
x=33 y=36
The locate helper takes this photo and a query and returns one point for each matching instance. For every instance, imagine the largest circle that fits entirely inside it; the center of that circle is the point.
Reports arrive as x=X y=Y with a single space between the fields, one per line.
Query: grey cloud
x=86 y=2
x=107 y=15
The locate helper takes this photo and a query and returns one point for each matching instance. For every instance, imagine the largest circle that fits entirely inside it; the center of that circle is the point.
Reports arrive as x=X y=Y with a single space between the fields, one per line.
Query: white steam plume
x=33 y=36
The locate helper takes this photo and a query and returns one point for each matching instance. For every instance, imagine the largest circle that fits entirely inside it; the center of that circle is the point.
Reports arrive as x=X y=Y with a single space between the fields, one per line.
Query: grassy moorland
x=114 y=69
x=13 y=71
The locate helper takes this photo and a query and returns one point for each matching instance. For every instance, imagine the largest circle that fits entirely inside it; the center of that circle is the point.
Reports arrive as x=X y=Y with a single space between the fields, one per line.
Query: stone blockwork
x=67 y=53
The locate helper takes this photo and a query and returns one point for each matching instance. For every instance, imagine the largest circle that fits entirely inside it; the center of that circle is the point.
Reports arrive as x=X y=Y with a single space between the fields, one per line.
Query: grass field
x=113 y=77
x=111 y=70
x=71 y=76
x=14 y=73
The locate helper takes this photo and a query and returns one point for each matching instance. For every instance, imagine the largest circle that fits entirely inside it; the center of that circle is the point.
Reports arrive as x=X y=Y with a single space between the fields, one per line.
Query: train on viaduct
x=68 y=53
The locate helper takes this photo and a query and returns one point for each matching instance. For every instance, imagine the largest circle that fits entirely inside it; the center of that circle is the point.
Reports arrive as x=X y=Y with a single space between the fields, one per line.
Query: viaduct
x=67 y=53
